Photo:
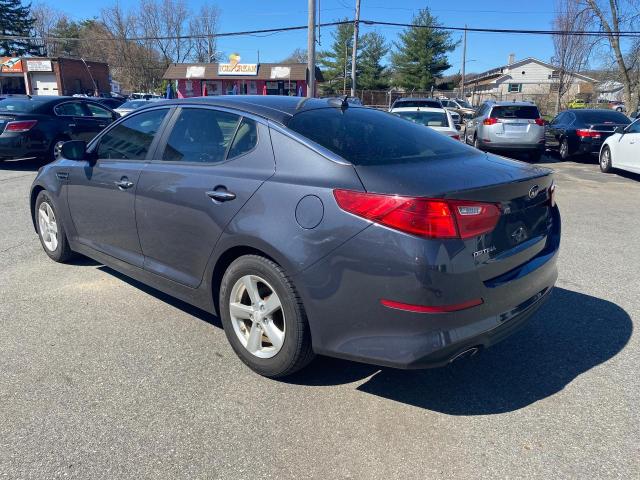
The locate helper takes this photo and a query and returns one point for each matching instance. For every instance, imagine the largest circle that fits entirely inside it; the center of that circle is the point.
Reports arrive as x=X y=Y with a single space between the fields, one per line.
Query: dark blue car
x=310 y=227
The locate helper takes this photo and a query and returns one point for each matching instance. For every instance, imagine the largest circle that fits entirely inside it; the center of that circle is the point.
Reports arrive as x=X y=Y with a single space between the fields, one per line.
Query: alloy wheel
x=257 y=316
x=564 y=149
x=48 y=226
x=605 y=159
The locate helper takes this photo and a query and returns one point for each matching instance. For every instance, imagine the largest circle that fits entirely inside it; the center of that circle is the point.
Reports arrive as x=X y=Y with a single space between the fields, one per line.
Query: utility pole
x=311 y=49
x=344 y=77
x=464 y=58
x=354 y=52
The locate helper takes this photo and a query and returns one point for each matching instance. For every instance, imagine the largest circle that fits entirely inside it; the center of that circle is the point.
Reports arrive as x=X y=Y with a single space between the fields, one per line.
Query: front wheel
x=605 y=160
x=263 y=317
x=50 y=229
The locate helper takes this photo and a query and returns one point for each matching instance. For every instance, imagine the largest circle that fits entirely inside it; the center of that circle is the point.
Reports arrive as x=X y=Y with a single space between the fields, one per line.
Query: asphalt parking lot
x=102 y=377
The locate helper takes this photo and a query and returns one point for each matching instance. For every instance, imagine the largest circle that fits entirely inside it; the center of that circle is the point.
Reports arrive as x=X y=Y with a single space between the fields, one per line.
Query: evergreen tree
x=421 y=54
x=16 y=21
x=372 y=75
x=337 y=60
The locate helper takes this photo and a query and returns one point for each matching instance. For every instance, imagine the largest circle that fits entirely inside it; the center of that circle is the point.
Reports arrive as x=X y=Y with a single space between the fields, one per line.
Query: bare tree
x=299 y=55
x=571 y=52
x=46 y=19
x=614 y=16
x=203 y=26
x=165 y=22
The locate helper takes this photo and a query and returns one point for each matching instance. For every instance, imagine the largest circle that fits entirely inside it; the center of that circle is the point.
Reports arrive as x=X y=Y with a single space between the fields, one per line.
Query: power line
x=592 y=33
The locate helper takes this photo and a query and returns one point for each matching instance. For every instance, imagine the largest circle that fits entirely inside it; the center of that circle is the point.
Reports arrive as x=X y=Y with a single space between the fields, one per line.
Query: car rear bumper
x=342 y=298
x=513 y=147
x=20 y=146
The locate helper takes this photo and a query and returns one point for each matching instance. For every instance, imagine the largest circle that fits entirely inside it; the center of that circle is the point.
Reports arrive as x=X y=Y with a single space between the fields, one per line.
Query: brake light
x=490 y=121
x=20 y=126
x=539 y=121
x=588 y=134
x=425 y=217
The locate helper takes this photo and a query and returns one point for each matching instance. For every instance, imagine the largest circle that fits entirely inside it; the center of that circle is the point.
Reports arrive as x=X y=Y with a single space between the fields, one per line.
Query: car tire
x=476 y=142
x=54 y=149
x=274 y=345
x=50 y=229
x=605 y=160
x=563 y=150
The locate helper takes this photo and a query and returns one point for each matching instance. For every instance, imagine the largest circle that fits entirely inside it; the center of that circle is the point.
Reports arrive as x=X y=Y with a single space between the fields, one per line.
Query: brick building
x=52 y=76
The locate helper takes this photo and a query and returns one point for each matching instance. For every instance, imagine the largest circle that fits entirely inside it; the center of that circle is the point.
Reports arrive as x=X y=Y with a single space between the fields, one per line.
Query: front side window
x=98 y=112
x=70 y=109
x=200 y=135
x=131 y=139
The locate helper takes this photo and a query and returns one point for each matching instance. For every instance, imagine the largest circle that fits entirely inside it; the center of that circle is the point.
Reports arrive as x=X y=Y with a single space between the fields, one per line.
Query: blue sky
x=484 y=50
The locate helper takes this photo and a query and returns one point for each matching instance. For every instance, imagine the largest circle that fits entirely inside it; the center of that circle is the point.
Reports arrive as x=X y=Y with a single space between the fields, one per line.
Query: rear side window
x=365 y=136
x=529 y=112
x=97 y=111
x=200 y=135
x=70 y=109
x=131 y=139
x=245 y=140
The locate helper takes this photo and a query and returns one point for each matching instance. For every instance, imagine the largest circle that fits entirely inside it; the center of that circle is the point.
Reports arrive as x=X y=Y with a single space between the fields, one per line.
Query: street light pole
x=354 y=52
x=464 y=58
x=311 y=50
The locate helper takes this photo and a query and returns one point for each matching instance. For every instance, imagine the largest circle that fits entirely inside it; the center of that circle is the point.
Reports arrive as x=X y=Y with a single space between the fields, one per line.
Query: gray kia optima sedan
x=310 y=227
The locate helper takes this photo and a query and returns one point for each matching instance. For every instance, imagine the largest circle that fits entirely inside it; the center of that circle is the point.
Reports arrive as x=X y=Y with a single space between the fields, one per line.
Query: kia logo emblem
x=533 y=192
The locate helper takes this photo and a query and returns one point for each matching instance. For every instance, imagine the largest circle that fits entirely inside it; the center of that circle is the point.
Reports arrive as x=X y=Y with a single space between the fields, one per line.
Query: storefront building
x=52 y=76
x=234 y=78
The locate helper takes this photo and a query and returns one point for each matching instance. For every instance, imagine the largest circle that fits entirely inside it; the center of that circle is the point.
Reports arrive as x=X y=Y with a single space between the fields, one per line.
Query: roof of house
x=499 y=72
x=297 y=71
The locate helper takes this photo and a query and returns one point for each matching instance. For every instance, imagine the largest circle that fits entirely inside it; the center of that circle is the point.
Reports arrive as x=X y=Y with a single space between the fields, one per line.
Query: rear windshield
x=600 y=116
x=417 y=103
x=364 y=136
x=529 y=112
x=16 y=105
x=430 y=119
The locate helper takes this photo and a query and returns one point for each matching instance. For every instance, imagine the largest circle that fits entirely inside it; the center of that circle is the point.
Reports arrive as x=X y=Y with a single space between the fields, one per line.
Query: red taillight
x=587 y=134
x=490 y=121
x=20 y=126
x=539 y=121
x=432 y=308
x=426 y=217
x=455 y=137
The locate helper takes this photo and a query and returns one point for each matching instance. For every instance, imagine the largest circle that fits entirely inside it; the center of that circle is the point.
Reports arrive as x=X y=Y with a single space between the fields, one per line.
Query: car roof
x=507 y=103
x=277 y=108
x=419 y=109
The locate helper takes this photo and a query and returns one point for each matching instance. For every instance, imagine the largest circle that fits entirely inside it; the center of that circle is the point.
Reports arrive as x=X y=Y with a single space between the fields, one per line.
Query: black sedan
x=33 y=127
x=581 y=132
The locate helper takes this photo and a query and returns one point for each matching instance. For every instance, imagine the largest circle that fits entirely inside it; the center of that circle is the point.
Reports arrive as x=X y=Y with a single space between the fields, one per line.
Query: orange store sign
x=10 y=65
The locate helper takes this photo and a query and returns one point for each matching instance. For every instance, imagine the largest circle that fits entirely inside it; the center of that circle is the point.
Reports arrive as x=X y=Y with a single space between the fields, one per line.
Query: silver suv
x=507 y=127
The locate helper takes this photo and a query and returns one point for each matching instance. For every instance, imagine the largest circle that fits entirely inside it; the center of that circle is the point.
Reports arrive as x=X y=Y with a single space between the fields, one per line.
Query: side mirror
x=619 y=130
x=74 y=150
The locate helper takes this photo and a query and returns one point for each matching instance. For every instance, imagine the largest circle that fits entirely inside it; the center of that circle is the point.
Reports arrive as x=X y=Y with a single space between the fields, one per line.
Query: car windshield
x=18 y=105
x=430 y=119
x=365 y=136
x=417 y=103
x=464 y=104
x=134 y=104
x=529 y=112
x=602 y=116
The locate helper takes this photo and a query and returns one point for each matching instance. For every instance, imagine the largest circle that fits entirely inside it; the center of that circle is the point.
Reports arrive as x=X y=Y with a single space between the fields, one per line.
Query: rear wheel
x=605 y=160
x=263 y=317
x=564 y=149
x=50 y=229
x=55 y=149
x=476 y=142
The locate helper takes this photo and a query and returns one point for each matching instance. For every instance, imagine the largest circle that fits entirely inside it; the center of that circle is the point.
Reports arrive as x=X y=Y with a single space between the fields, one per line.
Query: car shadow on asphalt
x=571 y=334
x=21 y=165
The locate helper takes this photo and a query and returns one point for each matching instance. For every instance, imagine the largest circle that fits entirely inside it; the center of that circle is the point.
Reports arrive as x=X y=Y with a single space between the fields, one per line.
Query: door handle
x=124 y=183
x=221 y=195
